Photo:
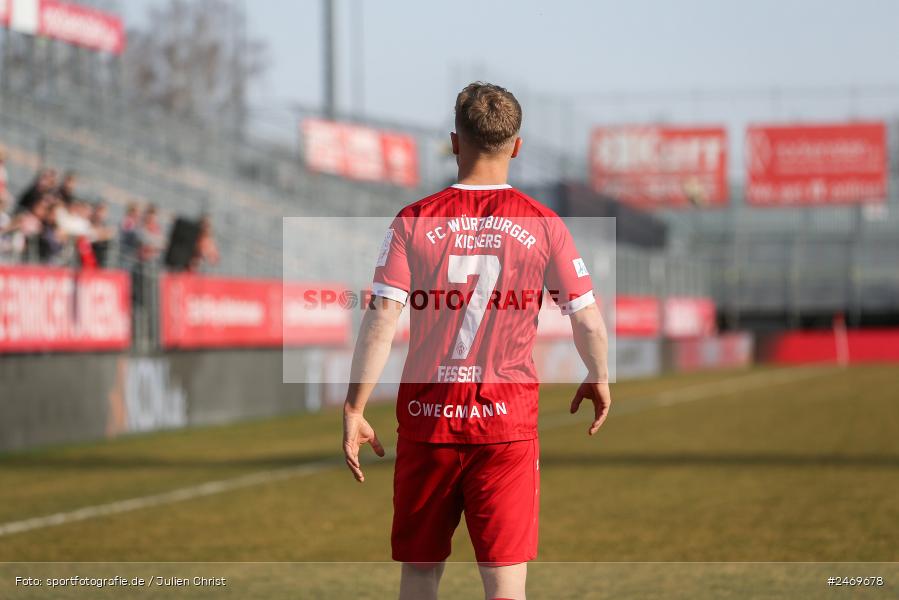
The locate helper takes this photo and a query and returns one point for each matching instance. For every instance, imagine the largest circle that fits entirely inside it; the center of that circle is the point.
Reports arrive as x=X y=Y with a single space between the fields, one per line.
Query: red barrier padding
x=728 y=350
x=45 y=309
x=217 y=312
x=638 y=316
x=689 y=317
x=679 y=317
x=862 y=346
x=634 y=317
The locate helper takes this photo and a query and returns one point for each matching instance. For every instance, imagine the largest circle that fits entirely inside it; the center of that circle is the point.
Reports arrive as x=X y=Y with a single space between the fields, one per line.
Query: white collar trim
x=498 y=186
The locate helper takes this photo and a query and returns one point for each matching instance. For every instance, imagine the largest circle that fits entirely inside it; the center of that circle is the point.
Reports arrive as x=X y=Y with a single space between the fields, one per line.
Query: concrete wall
x=64 y=398
x=54 y=399
x=78 y=397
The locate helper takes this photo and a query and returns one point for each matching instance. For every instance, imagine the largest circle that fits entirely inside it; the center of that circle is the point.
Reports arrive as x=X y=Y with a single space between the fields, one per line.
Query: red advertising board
x=359 y=152
x=317 y=313
x=216 y=312
x=660 y=167
x=82 y=26
x=816 y=164
x=728 y=350
x=637 y=316
x=685 y=317
x=807 y=347
x=47 y=309
x=551 y=323
x=71 y=23
x=634 y=316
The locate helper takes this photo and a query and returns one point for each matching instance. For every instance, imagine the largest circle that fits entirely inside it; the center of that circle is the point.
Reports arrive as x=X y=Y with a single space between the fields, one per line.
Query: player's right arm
x=390 y=290
x=592 y=343
x=371 y=353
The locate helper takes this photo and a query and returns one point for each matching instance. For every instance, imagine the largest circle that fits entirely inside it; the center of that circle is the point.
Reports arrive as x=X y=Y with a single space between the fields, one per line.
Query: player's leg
x=427 y=508
x=501 y=488
x=420 y=582
x=506 y=582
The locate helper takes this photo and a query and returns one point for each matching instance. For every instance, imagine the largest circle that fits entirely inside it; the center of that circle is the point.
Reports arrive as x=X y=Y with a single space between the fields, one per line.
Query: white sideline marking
x=210 y=488
x=187 y=493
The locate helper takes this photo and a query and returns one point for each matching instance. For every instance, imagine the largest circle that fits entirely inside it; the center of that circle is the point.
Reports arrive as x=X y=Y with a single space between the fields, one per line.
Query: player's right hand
x=601 y=396
x=356 y=432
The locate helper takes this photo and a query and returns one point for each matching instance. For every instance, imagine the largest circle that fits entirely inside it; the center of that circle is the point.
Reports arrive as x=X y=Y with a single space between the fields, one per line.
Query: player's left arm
x=592 y=343
x=567 y=273
x=371 y=353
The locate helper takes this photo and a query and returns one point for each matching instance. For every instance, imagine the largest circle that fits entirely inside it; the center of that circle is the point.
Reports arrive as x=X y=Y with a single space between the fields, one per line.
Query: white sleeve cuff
x=582 y=301
x=390 y=292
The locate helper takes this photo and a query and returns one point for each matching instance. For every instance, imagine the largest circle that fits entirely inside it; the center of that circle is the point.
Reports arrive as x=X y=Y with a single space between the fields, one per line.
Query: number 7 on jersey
x=487 y=267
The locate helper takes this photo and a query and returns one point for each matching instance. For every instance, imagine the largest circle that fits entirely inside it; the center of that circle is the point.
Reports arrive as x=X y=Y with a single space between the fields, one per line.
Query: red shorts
x=496 y=485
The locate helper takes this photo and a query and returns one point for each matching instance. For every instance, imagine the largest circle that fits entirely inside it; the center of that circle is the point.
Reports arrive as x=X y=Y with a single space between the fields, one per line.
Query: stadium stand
x=188 y=170
x=765 y=268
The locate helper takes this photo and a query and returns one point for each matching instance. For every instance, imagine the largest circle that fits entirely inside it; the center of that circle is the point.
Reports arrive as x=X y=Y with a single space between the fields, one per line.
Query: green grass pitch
x=738 y=467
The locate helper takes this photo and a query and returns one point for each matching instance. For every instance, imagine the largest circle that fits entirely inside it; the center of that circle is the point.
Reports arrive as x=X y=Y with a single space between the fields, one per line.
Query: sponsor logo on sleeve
x=385 y=248
x=580 y=268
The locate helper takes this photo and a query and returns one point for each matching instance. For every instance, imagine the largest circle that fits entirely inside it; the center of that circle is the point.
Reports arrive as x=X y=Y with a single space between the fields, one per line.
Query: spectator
x=129 y=241
x=78 y=227
x=44 y=183
x=73 y=218
x=52 y=238
x=205 y=251
x=85 y=250
x=150 y=236
x=10 y=238
x=5 y=217
x=102 y=233
x=66 y=190
x=149 y=246
x=52 y=225
x=5 y=196
x=29 y=225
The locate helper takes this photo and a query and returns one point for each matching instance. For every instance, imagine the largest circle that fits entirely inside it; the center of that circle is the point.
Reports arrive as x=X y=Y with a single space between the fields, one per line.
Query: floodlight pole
x=330 y=62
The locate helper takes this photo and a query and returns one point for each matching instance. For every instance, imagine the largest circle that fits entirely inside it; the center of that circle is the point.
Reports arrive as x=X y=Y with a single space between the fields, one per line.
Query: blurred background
x=149 y=151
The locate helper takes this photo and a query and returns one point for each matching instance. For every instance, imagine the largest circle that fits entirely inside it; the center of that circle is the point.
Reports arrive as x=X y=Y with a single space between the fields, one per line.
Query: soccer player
x=472 y=262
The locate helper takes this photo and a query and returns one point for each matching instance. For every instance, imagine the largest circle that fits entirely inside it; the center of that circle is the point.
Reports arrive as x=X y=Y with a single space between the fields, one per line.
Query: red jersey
x=472 y=262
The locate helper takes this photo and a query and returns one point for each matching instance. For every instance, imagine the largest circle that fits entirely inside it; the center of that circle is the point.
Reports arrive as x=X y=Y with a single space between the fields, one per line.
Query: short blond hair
x=487 y=115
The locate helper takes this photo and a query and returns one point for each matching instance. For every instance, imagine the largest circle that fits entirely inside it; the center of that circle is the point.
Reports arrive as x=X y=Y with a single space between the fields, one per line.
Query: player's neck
x=483 y=172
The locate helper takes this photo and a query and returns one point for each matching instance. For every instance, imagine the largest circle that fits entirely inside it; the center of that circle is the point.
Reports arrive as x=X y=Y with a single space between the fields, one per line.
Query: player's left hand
x=601 y=396
x=356 y=432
